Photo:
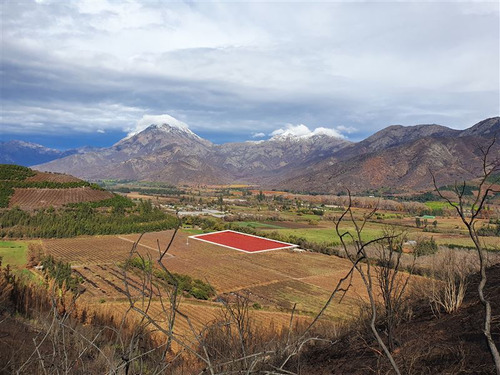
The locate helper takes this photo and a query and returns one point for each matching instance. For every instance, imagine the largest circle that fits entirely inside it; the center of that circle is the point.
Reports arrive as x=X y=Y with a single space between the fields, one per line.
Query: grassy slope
x=13 y=253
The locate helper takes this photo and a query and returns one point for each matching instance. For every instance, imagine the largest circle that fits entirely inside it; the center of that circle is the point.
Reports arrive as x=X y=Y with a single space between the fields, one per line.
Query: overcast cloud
x=242 y=70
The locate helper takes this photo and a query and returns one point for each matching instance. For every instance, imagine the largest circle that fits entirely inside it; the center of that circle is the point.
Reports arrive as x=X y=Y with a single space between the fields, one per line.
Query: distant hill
x=397 y=157
x=28 y=189
x=400 y=158
x=28 y=154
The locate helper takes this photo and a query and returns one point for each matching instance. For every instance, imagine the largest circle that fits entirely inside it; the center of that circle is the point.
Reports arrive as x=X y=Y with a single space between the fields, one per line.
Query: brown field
x=276 y=282
x=154 y=198
x=30 y=198
x=200 y=315
x=52 y=177
x=275 y=279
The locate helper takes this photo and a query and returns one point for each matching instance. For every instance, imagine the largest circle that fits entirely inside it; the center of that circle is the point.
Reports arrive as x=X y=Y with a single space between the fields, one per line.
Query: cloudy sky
x=87 y=72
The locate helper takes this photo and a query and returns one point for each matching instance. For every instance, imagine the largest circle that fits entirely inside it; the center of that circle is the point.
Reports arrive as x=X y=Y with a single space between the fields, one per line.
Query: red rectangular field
x=242 y=241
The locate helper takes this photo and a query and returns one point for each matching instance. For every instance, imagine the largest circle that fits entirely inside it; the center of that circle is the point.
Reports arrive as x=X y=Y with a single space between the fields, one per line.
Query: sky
x=77 y=73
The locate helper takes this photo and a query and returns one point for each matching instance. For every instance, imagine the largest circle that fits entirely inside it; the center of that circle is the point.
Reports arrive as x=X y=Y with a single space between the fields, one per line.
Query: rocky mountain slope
x=401 y=158
x=172 y=153
x=397 y=157
x=159 y=153
x=249 y=161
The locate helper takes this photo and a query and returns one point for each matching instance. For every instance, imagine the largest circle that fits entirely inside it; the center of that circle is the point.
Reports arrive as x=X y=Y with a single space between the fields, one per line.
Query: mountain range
x=28 y=153
x=397 y=157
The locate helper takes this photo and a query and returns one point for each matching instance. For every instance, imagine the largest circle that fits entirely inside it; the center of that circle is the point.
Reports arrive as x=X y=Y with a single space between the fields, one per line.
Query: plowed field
x=275 y=279
x=52 y=177
x=31 y=198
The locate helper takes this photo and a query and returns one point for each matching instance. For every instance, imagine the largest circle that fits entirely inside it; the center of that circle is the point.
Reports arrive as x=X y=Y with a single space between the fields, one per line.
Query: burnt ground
x=16 y=343
x=429 y=344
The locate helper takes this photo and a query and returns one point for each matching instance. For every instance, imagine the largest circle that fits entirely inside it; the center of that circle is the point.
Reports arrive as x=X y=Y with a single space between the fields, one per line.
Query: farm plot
x=88 y=250
x=299 y=265
x=328 y=235
x=309 y=298
x=200 y=316
x=13 y=253
x=31 y=198
x=182 y=246
x=242 y=242
x=52 y=177
x=108 y=282
x=225 y=274
x=273 y=279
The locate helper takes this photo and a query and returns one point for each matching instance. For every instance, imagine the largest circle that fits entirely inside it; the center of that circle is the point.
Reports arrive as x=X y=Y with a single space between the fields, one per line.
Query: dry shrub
x=233 y=341
x=450 y=273
x=35 y=253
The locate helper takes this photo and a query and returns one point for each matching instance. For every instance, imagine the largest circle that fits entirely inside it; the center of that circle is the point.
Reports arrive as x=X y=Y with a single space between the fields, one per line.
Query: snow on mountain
x=301 y=131
x=164 y=123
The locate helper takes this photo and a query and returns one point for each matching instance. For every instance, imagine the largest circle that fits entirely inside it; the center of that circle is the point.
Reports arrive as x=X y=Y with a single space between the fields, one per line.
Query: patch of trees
x=185 y=284
x=426 y=247
x=6 y=192
x=422 y=198
x=60 y=272
x=491 y=229
x=467 y=190
x=150 y=191
x=312 y=211
x=118 y=201
x=12 y=172
x=83 y=220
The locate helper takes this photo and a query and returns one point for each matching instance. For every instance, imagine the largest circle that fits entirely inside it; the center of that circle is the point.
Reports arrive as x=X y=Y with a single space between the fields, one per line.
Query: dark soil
x=428 y=344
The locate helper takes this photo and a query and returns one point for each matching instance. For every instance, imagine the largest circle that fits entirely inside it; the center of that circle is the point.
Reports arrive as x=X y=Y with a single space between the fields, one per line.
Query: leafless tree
x=469 y=216
x=360 y=265
x=392 y=282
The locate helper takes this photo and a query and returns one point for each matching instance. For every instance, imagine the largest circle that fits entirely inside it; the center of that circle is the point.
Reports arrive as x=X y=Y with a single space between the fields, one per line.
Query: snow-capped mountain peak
x=302 y=132
x=165 y=123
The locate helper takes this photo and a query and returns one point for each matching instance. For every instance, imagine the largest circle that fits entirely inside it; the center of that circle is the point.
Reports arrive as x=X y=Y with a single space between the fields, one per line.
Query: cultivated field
x=52 y=177
x=31 y=198
x=275 y=280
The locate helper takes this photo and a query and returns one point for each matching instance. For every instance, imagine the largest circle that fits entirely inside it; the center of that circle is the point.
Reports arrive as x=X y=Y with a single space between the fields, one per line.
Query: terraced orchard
x=29 y=190
x=29 y=198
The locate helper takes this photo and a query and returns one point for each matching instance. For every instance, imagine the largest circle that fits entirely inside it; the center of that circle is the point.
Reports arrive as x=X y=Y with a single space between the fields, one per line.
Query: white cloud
x=66 y=117
x=258 y=135
x=346 y=129
x=302 y=131
x=148 y=120
x=365 y=64
x=292 y=130
x=101 y=131
x=327 y=131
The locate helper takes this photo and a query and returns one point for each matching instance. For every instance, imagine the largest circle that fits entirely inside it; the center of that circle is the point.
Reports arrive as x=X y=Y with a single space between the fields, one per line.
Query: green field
x=255 y=224
x=437 y=205
x=193 y=231
x=328 y=235
x=13 y=253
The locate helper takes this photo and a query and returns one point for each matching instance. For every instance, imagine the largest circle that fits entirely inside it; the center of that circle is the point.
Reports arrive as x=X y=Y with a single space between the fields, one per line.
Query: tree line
x=85 y=219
